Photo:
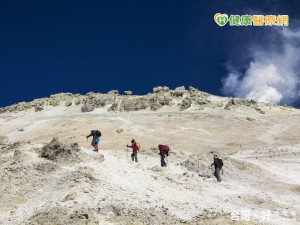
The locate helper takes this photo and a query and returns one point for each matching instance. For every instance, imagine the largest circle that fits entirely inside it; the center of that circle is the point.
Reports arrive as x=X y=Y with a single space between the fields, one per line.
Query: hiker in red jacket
x=163 y=152
x=134 y=150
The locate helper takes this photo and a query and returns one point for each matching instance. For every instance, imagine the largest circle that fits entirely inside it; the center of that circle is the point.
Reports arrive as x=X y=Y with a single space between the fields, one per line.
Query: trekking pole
x=168 y=161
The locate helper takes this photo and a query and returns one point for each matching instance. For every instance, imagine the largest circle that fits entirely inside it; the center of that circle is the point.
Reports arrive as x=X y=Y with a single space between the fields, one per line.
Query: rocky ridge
x=180 y=98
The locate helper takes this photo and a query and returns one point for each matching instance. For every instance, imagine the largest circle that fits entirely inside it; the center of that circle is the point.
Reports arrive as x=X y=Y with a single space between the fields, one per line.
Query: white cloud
x=273 y=74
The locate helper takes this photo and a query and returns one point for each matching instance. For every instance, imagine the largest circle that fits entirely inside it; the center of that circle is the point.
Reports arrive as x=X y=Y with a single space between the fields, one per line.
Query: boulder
x=192 y=89
x=77 y=102
x=119 y=130
x=128 y=92
x=54 y=102
x=114 y=107
x=114 y=92
x=160 y=89
x=201 y=101
x=186 y=103
x=134 y=104
x=157 y=101
x=178 y=92
x=166 y=89
x=38 y=107
x=68 y=103
x=194 y=164
x=87 y=108
x=57 y=151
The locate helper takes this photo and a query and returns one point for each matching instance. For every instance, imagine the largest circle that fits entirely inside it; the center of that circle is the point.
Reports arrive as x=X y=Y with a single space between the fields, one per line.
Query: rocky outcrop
x=38 y=107
x=160 y=89
x=238 y=102
x=197 y=165
x=134 y=104
x=57 y=151
x=87 y=108
x=127 y=92
x=157 y=101
x=186 y=103
x=162 y=96
x=68 y=103
x=179 y=92
x=113 y=92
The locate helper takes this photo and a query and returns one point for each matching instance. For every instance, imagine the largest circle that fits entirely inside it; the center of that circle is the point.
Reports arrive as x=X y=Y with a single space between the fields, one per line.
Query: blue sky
x=47 y=47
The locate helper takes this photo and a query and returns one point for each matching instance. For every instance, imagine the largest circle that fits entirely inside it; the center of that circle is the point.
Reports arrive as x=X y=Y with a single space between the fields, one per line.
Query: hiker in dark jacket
x=163 y=152
x=218 y=163
x=134 y=150
x=96 y=134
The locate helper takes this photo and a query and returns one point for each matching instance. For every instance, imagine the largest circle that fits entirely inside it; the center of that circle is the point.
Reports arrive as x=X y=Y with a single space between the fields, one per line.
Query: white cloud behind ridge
x=273 y=73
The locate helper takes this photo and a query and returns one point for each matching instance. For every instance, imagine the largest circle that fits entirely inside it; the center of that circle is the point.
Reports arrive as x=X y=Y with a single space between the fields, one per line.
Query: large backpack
x=138 y=145
x=166 y=148
x=221 y=162
x=98 y=133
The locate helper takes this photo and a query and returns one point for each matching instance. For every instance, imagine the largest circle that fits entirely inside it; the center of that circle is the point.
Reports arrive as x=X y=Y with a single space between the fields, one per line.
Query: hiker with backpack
x=135 y=147
x=163 y=152
x=96 y=134
x=218 y=163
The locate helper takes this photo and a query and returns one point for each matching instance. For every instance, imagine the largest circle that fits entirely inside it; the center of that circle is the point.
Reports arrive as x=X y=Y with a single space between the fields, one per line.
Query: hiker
x=218 y=163
x=134 y=150
x=163 y=152
x=96 y=134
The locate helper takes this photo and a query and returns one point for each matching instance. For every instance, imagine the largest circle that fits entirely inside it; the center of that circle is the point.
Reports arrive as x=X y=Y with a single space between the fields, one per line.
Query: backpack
x=221 y=162
x=138 y=145
x=98 y=133
x=166 y=148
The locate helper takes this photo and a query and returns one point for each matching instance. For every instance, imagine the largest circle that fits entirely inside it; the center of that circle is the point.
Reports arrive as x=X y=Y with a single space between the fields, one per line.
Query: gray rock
x=160 y=89
x=54 y=102
x=134 y=104
x=178 y=92
x=207 y=175
x=186 y=103
x=166 y=89
x=87 y=108
x=68 y=103
x=114 y=107
x=114 y=92
x=77 y=102
x=157 y=101
x=57 y=151
x=128 y=92
x=119 y=130
x=192 y=89
x=38 y=108
x=195 y=164
x=201 y=101
x=157 y=89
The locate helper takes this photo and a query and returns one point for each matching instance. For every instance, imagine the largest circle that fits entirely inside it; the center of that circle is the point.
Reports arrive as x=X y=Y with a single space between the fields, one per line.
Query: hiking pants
x=162 y=160
x=217 y=173
x=134 y=156
x=95 y=146
x=94 y=140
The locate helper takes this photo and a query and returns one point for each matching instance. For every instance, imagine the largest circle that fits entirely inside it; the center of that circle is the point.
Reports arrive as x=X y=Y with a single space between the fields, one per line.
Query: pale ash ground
x=261 y=156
